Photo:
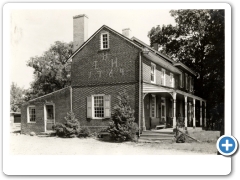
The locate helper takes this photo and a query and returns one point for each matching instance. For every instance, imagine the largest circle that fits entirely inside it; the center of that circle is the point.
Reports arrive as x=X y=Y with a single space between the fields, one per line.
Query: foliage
x=16 y=97
x=71 y=128
x=84 y=132
x=122 y=127
x=51 y=70
x=197 y=40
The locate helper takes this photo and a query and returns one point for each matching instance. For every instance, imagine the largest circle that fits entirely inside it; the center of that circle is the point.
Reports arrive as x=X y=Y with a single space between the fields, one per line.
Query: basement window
x=104 y=41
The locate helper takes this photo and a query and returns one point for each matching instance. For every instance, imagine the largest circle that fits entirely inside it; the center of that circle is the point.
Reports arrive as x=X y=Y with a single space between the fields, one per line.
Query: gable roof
x=165 y=57
x=110 y=29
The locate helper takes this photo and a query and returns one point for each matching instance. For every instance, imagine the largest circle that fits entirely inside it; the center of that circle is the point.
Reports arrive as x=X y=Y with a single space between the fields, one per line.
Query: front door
x=49 y=117
x=163 y=110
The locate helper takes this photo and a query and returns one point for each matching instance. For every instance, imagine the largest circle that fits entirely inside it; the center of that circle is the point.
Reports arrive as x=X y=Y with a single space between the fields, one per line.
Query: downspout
x=140 y=93
x=71 y=98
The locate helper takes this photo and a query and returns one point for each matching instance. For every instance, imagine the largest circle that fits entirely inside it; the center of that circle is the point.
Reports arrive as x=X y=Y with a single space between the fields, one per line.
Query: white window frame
x=102 y=34
x=163 y=77
x=28 y=114
x=93 y=107
x=154 y=73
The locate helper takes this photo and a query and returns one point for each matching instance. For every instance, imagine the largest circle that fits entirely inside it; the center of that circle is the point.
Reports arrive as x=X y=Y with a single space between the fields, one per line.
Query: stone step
x=157 y=132
x=155 y=140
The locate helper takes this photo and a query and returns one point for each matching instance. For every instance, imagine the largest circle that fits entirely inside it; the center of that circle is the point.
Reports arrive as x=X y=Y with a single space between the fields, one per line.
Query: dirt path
x=33 y=145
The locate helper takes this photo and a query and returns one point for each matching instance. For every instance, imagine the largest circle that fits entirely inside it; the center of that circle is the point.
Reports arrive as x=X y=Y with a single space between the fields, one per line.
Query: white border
x=102 y=165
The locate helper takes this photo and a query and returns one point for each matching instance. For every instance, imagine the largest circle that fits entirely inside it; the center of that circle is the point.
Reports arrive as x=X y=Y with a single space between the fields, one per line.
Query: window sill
x=31 y=122
x=101 y=50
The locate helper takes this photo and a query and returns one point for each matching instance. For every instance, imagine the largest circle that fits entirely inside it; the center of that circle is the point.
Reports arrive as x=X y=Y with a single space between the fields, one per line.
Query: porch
x=164 y=107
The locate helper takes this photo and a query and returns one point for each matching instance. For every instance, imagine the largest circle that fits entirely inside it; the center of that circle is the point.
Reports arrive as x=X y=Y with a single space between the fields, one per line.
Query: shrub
x=70 y=128
x=122 y=127
x=84 y=132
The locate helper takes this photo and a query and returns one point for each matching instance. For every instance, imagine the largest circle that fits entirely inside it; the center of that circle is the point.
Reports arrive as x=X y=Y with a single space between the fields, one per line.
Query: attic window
x=104 y=41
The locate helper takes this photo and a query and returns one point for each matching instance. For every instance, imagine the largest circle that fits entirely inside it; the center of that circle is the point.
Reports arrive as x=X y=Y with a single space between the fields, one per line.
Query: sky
x=34 y=31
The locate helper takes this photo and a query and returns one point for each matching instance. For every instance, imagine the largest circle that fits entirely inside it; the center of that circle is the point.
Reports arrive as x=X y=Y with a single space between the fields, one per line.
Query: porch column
x=143 y=123
x=194 y=119
x=174 y=109
x=200 y=113
x=205 y=114
x=185 y=97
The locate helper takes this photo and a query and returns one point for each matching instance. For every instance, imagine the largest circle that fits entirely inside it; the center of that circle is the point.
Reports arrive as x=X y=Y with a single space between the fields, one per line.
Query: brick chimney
x=127 y=32
x=80 y=30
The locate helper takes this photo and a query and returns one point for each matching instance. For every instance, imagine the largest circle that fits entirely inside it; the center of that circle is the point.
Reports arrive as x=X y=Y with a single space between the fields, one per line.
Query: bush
x=122 y=127
x=70 y=128
x=84 y=132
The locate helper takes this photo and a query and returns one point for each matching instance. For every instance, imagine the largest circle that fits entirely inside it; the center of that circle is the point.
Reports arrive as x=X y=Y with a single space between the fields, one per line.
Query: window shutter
x=107 y=106
x=89 y=107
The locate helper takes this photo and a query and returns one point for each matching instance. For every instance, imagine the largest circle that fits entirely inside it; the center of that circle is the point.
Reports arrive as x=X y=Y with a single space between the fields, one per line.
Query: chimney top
x=126 y=32
x=80 y=15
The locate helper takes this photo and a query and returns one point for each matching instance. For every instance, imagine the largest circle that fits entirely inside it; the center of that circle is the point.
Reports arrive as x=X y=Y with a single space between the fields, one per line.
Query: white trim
x=93 y=114
x=28 y=118
x=101 y=40
x=154 y=71
x=45 y=114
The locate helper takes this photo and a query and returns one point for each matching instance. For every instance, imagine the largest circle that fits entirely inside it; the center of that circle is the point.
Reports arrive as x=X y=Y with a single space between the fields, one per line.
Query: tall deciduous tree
x=16 y=97
x=197 y=40
x=51 y=70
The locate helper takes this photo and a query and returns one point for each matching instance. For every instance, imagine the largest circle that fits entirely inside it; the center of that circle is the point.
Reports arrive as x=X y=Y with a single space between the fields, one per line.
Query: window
x=31 y=114
x=186 y=81
x=104 y=41
x=153 y=73
x=191 y=83
x=153 y=106
x=181 y=84
x=171 y=80
x=99 y=106
x=163 y=77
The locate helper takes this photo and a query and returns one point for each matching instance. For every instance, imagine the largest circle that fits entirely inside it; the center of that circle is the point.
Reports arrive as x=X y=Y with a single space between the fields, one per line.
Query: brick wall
x=80 y=95
x=147 y=73
x=118 y=64
x=61 y=100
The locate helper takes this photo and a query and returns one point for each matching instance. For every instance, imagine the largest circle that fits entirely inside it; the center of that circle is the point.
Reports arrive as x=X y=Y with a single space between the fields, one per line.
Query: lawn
x=34 y=145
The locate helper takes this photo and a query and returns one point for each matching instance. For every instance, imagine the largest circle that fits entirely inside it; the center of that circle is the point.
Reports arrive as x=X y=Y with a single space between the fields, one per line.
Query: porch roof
x=153 y=88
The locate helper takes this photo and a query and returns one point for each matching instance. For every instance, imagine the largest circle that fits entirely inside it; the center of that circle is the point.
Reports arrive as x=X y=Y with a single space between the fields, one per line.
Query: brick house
x=161 y=90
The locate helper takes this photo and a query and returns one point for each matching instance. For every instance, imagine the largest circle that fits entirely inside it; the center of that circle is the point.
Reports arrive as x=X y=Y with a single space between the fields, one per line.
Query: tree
x=51 y=70
x=197 y=40
x=123 y=126
x=16 y=97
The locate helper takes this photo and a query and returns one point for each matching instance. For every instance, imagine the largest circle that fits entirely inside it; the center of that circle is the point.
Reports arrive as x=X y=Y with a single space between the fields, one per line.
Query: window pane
x=32 y=114
x=98 y=106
